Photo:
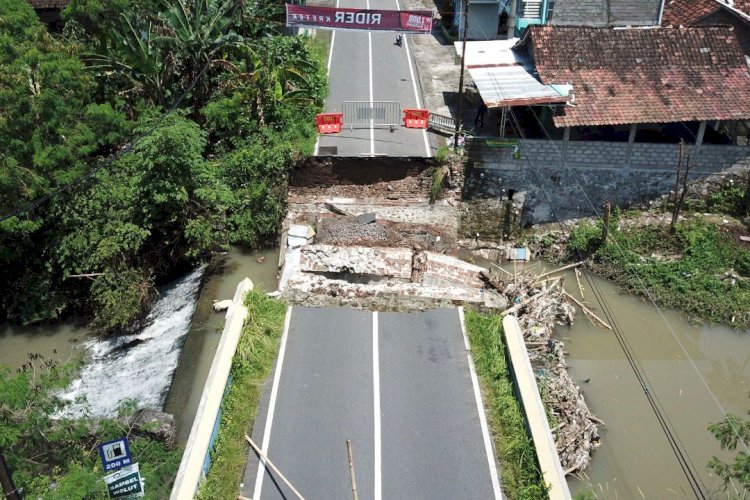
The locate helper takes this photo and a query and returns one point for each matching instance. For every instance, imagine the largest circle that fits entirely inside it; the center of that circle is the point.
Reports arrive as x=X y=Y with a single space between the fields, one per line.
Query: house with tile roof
x=619 y=97
x=735 y=13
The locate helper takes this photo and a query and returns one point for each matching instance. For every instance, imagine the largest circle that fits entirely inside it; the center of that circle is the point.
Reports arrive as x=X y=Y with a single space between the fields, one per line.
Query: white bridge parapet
x=194 y=460
x=536 y=417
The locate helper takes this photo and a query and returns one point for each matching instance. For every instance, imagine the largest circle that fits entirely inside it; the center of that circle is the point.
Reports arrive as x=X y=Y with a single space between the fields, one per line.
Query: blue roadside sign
x=115 y=454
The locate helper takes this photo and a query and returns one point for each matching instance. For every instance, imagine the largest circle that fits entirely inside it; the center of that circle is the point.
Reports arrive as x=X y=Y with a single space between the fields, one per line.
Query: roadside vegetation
x=699 y=268
x=252 y=363
x=521 y=478
x=181 y=119
x=58 y=458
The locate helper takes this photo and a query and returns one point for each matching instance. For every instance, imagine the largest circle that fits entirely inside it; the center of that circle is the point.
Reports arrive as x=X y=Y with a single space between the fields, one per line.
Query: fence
x=440 y=122
x=364 y=114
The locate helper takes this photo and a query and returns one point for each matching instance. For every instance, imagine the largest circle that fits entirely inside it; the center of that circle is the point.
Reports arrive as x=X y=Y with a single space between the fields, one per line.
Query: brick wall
x=593 y=172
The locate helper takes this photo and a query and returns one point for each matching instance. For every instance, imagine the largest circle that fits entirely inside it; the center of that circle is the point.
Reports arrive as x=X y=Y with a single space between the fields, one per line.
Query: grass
x=521 y=478
x=252 y=363
x=690 y=279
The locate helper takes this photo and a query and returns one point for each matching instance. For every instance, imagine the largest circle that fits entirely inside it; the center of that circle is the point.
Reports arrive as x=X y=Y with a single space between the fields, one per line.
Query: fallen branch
x=587 y=311
x=86 y=275
x=564 y=268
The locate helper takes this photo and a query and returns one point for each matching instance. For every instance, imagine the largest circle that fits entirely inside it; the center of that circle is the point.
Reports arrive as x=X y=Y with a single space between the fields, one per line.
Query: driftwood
x=564 y=268
x=543 y=305
x=588 y=311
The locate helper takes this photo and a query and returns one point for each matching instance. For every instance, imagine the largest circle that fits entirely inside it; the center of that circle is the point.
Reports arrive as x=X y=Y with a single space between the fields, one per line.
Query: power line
x=664 y=421
x=683 y=460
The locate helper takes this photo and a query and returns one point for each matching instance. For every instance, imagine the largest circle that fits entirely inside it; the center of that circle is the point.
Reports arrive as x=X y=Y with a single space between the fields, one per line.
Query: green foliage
x=438 y=177
x=694 y=274
x=252 y=363
x=521 y=477
x=57 y=458
x=730 y=432
x=189 y=187
x=442 y=155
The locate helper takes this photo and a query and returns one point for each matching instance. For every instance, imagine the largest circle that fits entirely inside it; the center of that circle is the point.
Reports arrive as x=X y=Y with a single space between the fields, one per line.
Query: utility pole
x=6 y=481
x=465 y=19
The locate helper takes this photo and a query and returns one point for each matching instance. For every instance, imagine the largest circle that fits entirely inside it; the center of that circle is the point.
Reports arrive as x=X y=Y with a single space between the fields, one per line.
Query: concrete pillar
x=699 y=138
x=631 y=141
x=512 y=18
x=566 y=139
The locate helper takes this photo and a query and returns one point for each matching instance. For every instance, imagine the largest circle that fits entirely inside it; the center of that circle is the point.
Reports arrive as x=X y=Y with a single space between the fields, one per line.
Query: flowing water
x=58 y=342
x=136 y=367
x=205 y=331
x=696 y=372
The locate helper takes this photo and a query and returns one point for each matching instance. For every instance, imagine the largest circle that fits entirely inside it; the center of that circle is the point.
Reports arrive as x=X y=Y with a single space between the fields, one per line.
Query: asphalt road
x=397 y=385
x=370 y=66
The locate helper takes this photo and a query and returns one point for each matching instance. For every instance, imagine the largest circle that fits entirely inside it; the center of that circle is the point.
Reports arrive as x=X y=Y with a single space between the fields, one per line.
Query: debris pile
x=540 y=303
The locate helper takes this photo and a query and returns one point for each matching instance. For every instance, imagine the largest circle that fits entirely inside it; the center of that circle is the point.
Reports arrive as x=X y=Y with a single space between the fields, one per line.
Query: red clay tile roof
x=686 y=12
x=743 y=6
x=48 y=4
x=658 y=75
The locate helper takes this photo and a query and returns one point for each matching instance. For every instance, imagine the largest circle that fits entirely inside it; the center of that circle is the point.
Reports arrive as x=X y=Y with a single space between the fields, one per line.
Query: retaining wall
x=562 y=180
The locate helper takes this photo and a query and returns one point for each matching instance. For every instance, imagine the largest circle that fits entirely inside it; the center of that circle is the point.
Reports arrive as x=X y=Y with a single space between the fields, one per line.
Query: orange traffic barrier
x=416 y=118
x=329 y=123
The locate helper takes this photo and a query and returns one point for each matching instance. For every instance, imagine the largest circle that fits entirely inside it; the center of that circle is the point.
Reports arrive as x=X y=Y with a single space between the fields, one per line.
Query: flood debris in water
x=541 y=303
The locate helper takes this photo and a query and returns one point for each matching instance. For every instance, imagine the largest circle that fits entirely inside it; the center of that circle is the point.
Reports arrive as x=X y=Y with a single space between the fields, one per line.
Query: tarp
x=408 y=21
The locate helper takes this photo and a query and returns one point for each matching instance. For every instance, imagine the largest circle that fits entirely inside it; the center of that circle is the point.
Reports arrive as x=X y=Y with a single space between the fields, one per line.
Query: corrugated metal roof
x=506 y=78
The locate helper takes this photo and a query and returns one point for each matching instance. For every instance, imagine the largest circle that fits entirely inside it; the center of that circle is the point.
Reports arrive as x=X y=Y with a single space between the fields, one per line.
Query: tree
x=731 y=432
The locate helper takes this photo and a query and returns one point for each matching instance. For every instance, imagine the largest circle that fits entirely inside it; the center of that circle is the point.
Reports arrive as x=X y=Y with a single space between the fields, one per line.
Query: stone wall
x=562 y=181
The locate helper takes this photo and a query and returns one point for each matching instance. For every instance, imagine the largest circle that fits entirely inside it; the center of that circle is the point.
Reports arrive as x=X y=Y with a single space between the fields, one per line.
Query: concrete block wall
x=593 y=172
x=600 y=13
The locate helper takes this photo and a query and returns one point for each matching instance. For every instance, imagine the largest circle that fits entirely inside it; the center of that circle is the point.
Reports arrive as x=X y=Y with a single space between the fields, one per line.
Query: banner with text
x=409 y=21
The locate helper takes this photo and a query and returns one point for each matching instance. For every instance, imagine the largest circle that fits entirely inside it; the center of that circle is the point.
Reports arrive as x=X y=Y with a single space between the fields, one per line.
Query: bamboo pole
x=588 y=311
x=273 y=467
x=500 y=268
x=564 y=268
x=578 y=280
x=351 y=469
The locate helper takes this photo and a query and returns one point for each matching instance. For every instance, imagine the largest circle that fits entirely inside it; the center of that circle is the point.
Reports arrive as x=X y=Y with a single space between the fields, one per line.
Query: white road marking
x=328 y=73
x=372 y=118
x=376 y=405
x=480 y=408
x=428 y=151
x=272 y=406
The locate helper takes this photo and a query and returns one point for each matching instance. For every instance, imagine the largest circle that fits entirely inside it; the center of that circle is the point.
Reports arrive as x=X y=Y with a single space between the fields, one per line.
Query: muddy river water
x=696 y=373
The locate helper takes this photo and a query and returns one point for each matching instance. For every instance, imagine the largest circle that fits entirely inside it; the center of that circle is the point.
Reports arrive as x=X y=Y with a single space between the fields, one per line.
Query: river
x=693 y=370
x=180 y=335
x=205 y=331
x=634 y=459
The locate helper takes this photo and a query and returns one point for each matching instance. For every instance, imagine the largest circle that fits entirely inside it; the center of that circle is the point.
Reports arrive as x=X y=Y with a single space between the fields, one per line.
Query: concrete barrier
x=536 y=417
x=196 y=459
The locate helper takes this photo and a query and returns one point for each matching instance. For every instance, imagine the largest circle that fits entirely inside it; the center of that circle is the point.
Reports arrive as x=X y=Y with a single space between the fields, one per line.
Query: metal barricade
x=440 y=122
x=363 y=114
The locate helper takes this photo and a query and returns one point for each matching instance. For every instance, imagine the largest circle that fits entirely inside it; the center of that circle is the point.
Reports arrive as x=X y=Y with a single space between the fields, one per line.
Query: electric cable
x=684 y=460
